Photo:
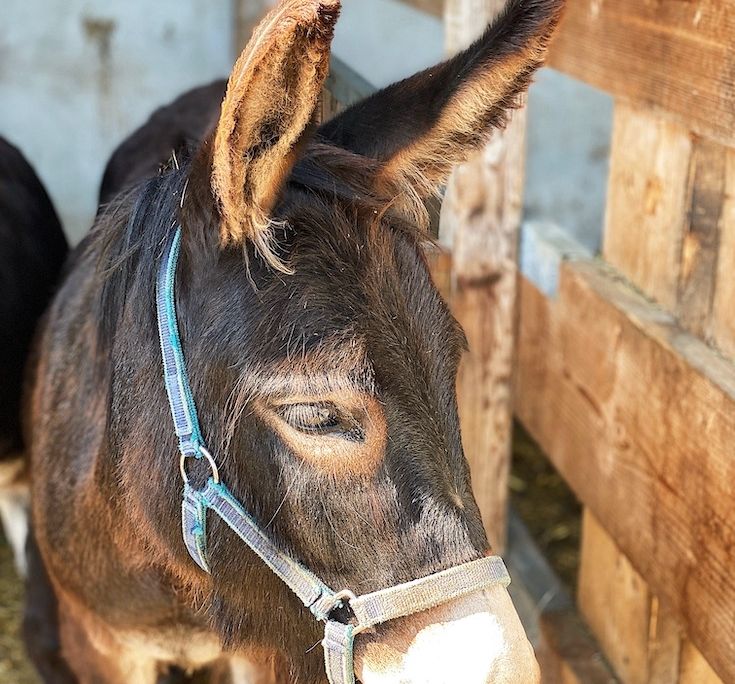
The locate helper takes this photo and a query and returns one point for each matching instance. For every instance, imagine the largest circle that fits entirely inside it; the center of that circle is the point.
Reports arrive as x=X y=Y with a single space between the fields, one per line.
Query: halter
x=366 y=610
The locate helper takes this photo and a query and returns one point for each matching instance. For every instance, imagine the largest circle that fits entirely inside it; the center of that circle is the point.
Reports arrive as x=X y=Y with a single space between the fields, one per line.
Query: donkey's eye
x=321 y=419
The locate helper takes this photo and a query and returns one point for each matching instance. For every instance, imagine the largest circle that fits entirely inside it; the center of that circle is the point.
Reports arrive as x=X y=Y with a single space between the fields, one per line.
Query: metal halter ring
x=210 y=459
x=341 y=600
x=341 y=596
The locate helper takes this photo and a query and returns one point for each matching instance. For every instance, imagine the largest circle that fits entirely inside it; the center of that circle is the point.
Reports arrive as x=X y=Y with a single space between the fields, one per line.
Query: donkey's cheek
x=476 y=640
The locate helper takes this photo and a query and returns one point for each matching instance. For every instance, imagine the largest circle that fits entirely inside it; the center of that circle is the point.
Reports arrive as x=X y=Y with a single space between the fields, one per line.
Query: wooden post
x=722 y=329
x=480 y=219
x=640 y=638
x=647 y=201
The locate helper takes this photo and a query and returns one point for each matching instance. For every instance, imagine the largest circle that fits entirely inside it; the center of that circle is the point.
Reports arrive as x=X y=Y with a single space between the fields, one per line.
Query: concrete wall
x=76 y=76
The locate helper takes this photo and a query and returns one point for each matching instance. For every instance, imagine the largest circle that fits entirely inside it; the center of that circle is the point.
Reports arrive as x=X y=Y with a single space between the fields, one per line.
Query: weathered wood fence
x=626 y=377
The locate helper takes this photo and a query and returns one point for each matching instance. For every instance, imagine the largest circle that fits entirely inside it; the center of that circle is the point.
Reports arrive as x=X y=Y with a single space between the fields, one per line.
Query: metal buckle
x=340 y=597
x=342 y=600
x=210 y=460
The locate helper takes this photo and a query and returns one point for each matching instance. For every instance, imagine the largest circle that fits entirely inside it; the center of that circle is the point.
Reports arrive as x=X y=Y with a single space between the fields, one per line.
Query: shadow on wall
x=76 y=76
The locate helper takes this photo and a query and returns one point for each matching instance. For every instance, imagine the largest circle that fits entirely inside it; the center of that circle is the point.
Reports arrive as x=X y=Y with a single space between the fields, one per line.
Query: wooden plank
x=668 y=201
x=722 y=328
x=566 y=651
x=638 y=418
x=615 y=602
x=702 y=237
x=647 y=201
x=641 y=640
x=694 y=668
x=481 y=217
x=664 y=645
x=674 y=56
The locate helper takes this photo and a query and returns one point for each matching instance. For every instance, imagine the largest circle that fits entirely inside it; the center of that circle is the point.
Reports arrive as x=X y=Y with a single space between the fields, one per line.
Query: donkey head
x=322 y=359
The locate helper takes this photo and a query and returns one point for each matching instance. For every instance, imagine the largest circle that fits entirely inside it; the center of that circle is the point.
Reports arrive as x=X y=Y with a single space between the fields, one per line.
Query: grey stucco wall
x=76 y=76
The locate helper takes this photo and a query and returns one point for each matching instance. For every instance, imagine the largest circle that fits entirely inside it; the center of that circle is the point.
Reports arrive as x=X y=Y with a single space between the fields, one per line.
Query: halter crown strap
x=180 y=399
x=368 y=609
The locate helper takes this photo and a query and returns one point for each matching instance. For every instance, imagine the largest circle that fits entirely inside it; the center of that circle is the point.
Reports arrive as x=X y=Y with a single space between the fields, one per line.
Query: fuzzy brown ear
x=271 y=97
x=423 y=126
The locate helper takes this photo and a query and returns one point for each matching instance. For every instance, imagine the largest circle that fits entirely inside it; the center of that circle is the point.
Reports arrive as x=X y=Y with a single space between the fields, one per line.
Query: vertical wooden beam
x=480 y=218
x=702 y=236
x=647 y=201
x=615 y=602
x=329 y=106
x=640 y=638
x=664 y=644
x=671 y=220
x=722 y=327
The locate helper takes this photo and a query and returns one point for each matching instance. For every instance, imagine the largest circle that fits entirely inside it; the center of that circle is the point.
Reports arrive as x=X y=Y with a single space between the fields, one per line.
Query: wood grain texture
x=722 y=326
x=702 y=236
x=481 y=217
x=675 y=56
x=638 y=418
x=648 y=201
x=615 y=602
x=640 y=638
x=664 y=645
x=694 y=668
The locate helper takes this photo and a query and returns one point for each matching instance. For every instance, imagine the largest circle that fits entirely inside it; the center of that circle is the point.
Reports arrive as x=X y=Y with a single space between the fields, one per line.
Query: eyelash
x=322 y=419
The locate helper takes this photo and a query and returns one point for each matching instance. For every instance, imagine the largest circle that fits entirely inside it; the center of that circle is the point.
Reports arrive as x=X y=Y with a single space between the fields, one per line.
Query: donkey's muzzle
x=477 y=639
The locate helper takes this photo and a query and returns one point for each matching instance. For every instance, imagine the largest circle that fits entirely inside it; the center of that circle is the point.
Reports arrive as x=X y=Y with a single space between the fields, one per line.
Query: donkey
x=316 y=360
x=32 y=252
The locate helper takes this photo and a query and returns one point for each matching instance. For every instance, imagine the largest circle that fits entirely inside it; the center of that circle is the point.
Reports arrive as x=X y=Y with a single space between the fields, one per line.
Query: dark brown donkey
x=32 y=252
x=322 y=363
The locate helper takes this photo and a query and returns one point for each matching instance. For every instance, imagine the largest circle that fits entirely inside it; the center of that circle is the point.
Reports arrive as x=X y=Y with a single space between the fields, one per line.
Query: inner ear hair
x=421 y=127
x=271 y=98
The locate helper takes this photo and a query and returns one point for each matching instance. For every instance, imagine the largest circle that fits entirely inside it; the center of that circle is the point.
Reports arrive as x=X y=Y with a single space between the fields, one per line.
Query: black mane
x=128 y=237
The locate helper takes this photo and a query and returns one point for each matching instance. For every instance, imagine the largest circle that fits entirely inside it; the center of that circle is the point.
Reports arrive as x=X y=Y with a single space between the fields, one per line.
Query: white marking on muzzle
x=475 y=640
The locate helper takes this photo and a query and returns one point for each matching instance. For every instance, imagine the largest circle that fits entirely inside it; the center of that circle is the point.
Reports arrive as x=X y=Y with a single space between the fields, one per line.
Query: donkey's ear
x=421 y=127
x=271 y=97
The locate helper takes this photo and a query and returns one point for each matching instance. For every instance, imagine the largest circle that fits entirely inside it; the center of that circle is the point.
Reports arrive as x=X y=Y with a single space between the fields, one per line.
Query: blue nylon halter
x=368 y=609
x=215 y=496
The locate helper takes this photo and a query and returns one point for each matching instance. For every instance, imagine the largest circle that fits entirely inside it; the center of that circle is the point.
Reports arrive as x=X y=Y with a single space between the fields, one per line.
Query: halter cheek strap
x=367 y=610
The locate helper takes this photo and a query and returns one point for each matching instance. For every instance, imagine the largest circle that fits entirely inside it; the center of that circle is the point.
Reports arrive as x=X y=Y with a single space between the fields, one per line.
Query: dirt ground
x=548 y=508
x=14 y=668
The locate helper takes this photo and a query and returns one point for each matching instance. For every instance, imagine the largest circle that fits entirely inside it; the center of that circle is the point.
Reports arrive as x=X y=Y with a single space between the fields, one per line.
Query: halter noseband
x=367 y=610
